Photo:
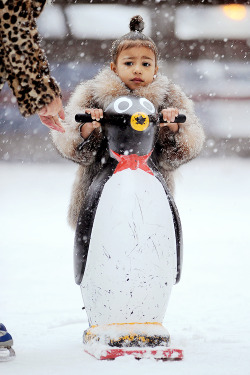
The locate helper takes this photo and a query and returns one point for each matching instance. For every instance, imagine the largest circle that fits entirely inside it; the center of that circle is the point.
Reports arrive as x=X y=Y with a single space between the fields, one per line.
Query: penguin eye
x=122 y=104
x=147 y=104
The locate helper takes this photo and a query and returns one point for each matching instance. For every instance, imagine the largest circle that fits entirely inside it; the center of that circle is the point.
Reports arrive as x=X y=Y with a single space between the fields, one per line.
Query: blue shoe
x=6 y=340
x=2 y=327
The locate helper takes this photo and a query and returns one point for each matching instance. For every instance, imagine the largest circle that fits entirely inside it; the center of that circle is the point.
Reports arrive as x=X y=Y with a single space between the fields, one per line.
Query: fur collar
x=107 y=86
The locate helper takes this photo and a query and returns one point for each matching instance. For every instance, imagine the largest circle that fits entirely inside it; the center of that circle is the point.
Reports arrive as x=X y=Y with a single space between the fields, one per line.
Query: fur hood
x=171 y=150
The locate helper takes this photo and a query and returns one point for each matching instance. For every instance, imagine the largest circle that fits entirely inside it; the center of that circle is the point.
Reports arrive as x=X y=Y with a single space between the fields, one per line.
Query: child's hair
x=135 y=38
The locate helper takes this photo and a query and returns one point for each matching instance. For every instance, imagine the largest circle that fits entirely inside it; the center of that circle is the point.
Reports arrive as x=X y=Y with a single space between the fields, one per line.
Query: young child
x=133 y=71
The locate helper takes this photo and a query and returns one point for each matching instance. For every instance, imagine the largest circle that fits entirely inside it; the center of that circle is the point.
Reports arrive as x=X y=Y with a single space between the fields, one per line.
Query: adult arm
x=24 y=65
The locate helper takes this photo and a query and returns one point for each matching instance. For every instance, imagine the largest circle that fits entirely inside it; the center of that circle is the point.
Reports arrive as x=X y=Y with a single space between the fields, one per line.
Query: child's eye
x=128 y=63
x=146 y=64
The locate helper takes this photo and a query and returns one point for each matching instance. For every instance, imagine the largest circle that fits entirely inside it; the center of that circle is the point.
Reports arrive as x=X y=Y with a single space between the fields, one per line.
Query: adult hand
x=49 y=115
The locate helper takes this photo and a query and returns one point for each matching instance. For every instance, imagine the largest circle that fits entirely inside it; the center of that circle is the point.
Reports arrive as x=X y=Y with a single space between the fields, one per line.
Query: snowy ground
x=209 y=312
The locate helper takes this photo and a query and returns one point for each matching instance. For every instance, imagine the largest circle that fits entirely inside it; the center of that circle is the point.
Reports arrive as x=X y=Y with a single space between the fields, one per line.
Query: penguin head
x=134 y=111
x=131 y=125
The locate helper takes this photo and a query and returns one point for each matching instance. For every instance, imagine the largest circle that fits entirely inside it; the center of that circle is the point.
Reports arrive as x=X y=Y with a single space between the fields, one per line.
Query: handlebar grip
x=179 y=119
x=83 y=117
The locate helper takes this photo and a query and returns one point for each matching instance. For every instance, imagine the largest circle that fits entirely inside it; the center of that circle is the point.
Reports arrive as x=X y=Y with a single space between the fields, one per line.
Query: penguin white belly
x=131 y=264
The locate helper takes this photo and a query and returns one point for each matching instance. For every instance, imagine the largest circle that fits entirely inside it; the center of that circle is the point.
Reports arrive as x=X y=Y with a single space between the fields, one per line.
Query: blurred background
x=204 y=47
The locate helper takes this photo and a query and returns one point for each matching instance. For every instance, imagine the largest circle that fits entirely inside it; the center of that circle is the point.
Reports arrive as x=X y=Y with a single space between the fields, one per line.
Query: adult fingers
x=52 y=123
x=57 y=122
x=61 y=114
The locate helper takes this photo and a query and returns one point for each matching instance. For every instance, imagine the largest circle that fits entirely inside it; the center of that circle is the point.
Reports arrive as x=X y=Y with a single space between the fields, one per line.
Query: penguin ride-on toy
x=128 y=241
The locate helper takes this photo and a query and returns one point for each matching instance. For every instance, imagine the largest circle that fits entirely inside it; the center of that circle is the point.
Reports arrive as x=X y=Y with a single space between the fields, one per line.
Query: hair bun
x=136 y=24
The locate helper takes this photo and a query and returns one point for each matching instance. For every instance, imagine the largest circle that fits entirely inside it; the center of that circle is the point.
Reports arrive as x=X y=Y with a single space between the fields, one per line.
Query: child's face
x=136 y=66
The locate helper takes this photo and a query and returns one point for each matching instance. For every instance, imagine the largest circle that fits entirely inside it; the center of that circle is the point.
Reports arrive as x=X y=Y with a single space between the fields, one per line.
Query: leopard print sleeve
x=24 y=65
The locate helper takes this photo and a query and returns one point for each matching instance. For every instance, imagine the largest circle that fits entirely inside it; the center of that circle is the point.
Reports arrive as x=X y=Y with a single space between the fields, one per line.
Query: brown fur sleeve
x=174 y=149
x=68 y=143
x=24 y=65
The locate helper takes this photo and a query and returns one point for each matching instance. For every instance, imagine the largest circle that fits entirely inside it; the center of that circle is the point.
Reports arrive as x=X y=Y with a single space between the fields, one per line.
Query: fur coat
x=171 y=150
x=23 y=63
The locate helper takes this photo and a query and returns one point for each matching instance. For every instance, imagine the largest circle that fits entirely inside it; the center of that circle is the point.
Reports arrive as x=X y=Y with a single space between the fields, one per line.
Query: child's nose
x=137 y=69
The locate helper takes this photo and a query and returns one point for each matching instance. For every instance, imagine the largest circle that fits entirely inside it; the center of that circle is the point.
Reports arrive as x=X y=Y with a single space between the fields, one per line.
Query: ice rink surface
x=209 y=311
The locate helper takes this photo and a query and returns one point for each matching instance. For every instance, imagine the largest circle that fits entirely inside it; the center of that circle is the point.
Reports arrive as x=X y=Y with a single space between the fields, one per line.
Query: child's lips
x=136 y=79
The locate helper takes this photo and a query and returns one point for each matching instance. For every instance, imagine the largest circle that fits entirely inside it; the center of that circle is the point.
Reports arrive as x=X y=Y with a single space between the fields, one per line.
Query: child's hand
x=88 y=127
x=169 y=115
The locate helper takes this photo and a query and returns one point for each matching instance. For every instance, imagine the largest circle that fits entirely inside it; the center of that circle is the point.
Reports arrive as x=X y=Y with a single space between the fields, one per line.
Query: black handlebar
x=84 y=117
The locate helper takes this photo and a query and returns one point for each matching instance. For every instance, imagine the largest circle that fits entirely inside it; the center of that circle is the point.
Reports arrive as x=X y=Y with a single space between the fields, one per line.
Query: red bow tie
x=132 y=161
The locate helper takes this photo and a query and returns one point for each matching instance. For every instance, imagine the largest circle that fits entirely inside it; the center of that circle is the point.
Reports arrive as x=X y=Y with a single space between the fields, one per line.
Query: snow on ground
x=208 y=315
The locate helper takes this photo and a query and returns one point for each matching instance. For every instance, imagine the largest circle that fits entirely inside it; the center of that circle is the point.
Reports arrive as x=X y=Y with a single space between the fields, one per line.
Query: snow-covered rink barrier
x=209 y=310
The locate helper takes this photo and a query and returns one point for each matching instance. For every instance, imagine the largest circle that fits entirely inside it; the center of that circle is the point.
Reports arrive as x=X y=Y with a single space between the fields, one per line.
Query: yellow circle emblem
x=139 y=121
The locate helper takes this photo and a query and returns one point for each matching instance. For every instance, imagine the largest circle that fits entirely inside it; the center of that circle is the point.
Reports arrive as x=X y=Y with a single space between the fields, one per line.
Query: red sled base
x=159 y=353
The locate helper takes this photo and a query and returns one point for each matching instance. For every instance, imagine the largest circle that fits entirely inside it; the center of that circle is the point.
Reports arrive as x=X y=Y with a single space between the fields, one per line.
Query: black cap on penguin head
x=135 y=38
